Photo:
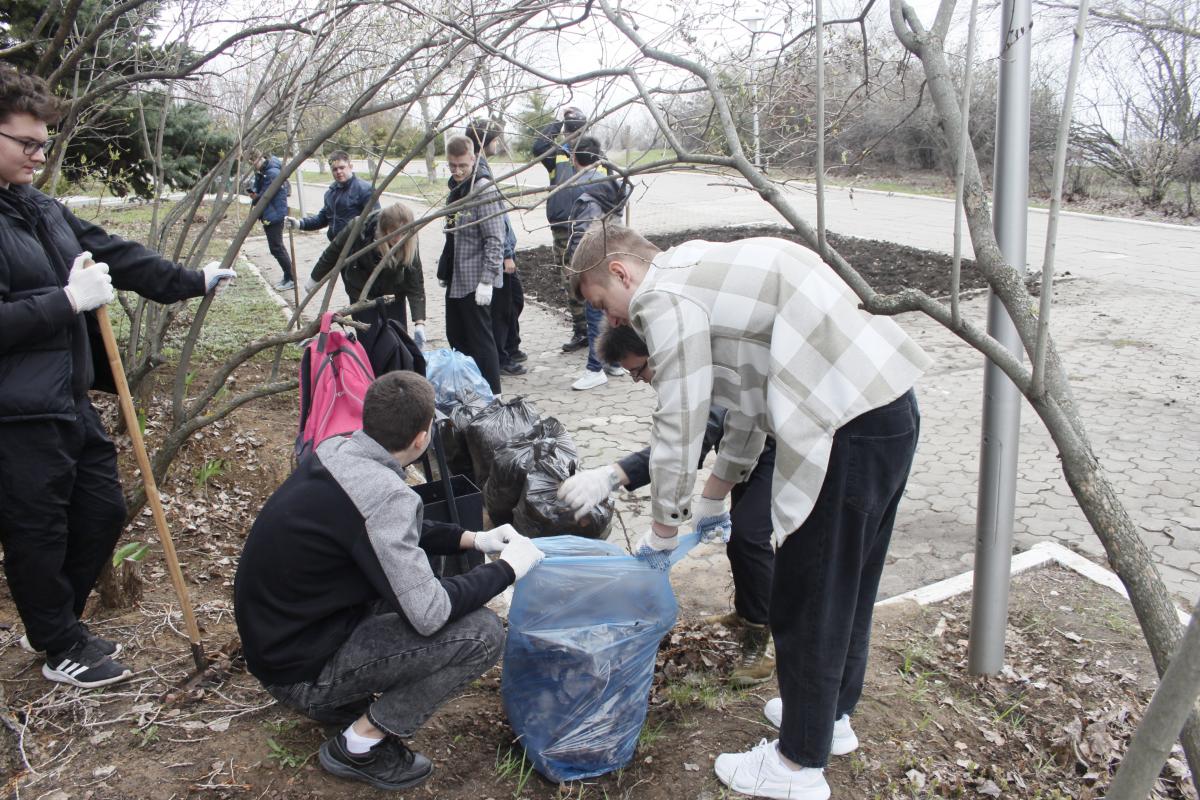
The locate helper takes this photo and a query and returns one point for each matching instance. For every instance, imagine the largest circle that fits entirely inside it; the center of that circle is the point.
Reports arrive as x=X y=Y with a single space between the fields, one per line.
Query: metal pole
x=1002 y=401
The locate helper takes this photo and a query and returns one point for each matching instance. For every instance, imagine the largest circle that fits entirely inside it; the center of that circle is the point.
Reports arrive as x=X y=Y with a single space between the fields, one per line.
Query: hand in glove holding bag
x=418 y=335
x=522 y=555
x=495 y=540
x=656 y=550
x=587 y=489
x=216 y=278
x=89 y=285
x=483 y=294
x=712 y=520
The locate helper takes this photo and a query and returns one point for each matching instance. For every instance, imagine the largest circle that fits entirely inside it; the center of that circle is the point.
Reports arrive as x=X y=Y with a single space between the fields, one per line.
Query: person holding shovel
x=61 y=506
x=766 y=329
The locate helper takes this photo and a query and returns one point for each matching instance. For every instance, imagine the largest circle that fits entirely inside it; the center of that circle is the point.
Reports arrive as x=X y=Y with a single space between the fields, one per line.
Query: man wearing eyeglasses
x=766 y=329
x=61 y=507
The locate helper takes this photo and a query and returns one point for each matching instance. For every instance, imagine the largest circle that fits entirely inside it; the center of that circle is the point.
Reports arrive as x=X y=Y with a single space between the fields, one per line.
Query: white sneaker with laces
x=844 y=739
x=615 y=370
x=762 y=773
x=590 y=380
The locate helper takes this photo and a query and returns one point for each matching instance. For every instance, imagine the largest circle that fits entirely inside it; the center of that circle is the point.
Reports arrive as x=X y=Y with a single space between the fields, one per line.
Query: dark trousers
x=274 y=233
x=393 y=674
x=469 y=331
x=562 y=236
x=61 y=512
x=829 y=572
x=750 y=551
x=507 y=303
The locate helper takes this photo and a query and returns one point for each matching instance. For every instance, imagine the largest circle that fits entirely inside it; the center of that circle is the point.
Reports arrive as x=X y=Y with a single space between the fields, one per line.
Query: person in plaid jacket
x=766 y=329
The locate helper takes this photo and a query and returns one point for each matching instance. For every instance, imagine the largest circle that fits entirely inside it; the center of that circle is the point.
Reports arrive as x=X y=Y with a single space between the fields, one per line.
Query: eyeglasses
x=636 y=373
x=31 y=146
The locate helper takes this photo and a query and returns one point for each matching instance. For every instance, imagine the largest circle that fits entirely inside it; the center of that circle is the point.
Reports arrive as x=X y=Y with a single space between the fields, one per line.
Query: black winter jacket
x=46 y=359
x=402 y=280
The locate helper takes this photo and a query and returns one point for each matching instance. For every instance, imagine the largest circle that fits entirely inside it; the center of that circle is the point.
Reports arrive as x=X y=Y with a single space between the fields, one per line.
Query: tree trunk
x=121 y=587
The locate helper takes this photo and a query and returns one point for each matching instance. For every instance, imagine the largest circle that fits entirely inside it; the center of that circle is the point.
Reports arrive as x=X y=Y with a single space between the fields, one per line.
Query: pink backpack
x=334 y=375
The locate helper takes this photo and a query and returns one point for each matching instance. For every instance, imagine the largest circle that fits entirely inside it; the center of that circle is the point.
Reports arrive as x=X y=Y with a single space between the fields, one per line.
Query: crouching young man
x=340 y=614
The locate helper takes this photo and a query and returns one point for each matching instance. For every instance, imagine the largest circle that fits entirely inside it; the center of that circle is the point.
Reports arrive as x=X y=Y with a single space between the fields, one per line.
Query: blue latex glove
x=655 y=550
x=712 y=520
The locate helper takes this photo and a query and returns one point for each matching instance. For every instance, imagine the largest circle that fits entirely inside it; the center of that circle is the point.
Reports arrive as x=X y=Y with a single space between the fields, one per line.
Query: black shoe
x=578 y=342
x=513 y=369
x=85 y=666
x=519 y=357
x=387 y=765
x=108 y=648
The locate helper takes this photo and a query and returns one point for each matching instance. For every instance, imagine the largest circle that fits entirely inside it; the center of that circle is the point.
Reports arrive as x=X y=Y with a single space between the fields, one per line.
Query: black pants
x=469 y=331
x=61 y=512
x=562 y=236
x=507 y=304
x=750 y=551
x=274 y=233
x=829 y=572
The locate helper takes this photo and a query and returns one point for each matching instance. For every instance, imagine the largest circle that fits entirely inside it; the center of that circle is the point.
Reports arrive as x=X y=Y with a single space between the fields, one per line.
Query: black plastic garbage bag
x=546 y=440
x=454 y=432
x=541 y=513
x=494 y=427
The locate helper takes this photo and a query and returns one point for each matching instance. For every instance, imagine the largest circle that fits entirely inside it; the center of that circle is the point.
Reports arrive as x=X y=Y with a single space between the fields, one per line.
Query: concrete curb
x=1040 y=555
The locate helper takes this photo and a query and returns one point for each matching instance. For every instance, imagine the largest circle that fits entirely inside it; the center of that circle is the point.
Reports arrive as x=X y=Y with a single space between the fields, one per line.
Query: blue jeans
x=828 y=575
x=594 y=320
x=411 y=674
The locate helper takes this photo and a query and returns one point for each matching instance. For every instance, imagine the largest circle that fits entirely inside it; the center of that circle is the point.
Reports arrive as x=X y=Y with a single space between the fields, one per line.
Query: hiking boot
x=518 y=357
x=590 y=380
x=577 y=342
x=513 y=369
x=844 y=739
x=762 y=773
x=733 y=620
x=757 y=664
x=85 y=666
x=108 y=648
x=387 y=765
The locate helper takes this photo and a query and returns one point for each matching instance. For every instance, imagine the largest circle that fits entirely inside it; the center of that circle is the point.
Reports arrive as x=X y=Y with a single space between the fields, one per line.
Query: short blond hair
x=603 y=241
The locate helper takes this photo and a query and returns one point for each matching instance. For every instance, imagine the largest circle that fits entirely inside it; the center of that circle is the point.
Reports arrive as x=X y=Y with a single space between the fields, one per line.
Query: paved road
x=1124 y=321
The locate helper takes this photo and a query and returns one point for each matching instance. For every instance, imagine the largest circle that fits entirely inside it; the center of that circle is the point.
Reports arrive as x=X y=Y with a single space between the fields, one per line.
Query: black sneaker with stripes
x=84 y=665
x=107 y=647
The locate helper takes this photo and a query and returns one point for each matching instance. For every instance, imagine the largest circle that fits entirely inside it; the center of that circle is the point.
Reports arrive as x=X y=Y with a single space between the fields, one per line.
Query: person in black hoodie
x=340 y=614
x=61 y=506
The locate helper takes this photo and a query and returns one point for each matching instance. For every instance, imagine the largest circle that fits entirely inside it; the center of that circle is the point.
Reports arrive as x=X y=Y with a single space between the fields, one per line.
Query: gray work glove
x=522 y=555
x=418 y=336
x=217 y=278
x=655 y=550
x=712 y=519
x=496 y=539
x=291 y=223
x=483 y=294
x=88 y=287
x=587 y=489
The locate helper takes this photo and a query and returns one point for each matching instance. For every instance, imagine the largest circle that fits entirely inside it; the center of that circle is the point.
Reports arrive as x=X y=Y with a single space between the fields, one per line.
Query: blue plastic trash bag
x=583 y=634
x=455 y=378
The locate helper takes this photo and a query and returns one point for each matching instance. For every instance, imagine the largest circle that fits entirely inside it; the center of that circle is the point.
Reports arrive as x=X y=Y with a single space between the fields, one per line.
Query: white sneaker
x=615 y=370
x=762 y=773
x=844 y=740
x=590 y=380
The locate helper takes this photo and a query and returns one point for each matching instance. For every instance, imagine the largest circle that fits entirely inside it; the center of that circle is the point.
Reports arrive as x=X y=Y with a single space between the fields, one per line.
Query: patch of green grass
x=514 y=766
x=212 y=468
x=284 y=756
x=649 y=735
x=700 y=690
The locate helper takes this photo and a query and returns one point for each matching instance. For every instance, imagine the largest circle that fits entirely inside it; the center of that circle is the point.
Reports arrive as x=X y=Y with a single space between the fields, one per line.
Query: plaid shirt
x=478 y=242
x=766 y=329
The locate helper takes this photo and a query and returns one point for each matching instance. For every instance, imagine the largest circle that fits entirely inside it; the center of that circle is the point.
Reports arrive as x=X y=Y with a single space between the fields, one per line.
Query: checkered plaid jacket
x=478 y=242
x=766 y=329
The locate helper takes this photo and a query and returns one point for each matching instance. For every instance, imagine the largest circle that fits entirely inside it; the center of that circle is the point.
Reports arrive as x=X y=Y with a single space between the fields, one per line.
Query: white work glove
x=495 y=540
x=522 y=555
x=655 y=550
x=483 y=294
x=216 y=278
x=309 y=285
x=418 y=336
x=291 y=223
x=585 y=490
x=712 y=520
x=88 y=287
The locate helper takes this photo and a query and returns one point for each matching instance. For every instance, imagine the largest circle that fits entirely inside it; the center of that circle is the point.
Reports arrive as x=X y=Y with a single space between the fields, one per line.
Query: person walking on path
x=344 y=200
x=553 y=145
x=401 y=278
x=472 y=259
x=266 y=170
x=749 y=548
x=767 y=330
x=341 y=616
x=61 y=505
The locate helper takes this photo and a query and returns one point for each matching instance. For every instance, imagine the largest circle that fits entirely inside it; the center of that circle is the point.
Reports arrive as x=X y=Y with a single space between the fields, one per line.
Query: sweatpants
x=393 y=674
x=61 y=513
x=828 y=576
x=274 y=232
x=469 y=331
